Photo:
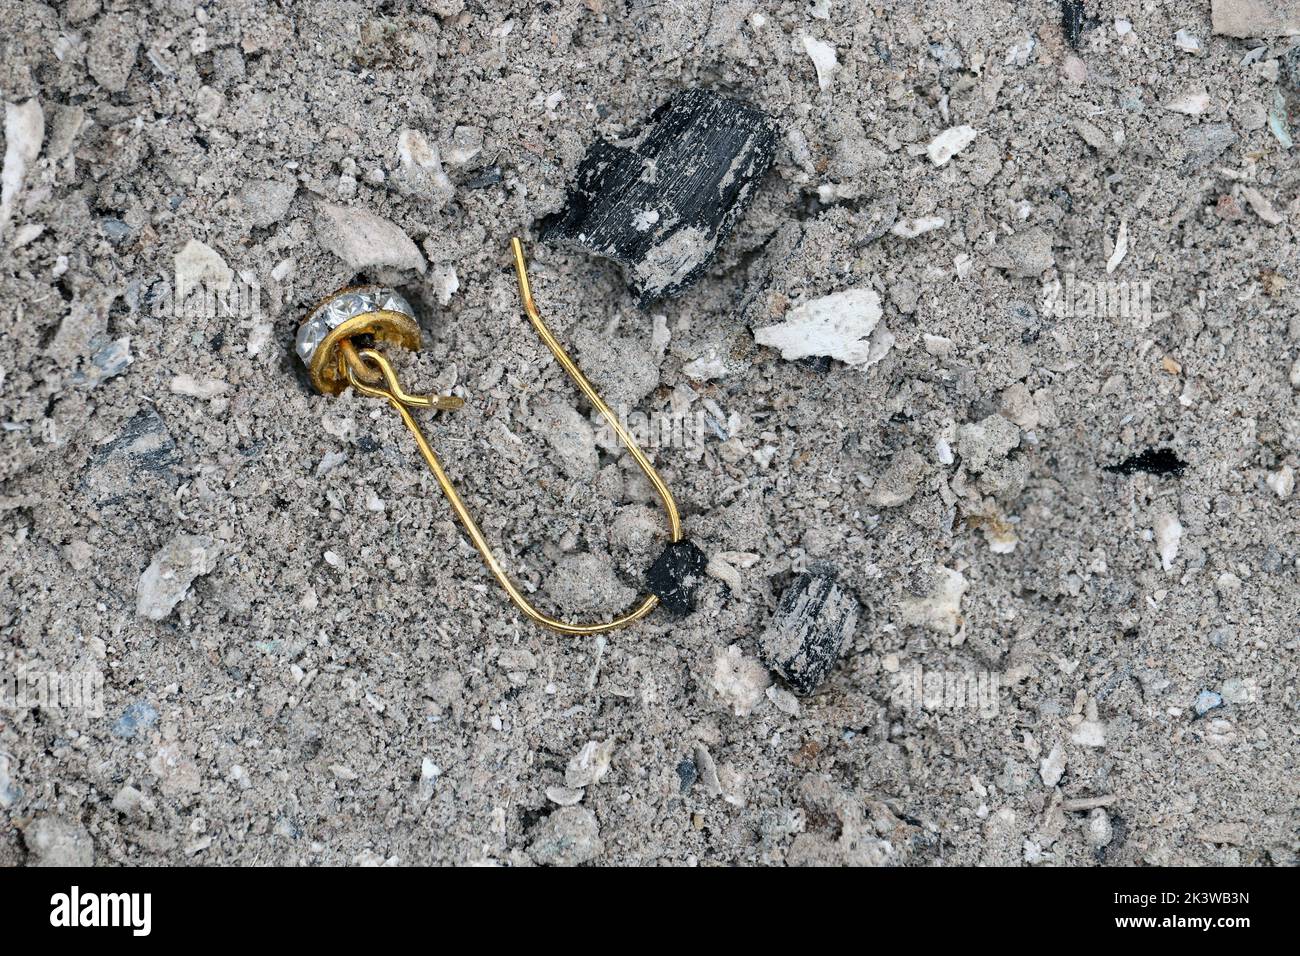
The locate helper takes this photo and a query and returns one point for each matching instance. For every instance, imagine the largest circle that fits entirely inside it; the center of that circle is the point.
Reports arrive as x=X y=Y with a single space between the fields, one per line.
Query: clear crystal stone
x=310 y=336
x=343 y=307
x=395 y=303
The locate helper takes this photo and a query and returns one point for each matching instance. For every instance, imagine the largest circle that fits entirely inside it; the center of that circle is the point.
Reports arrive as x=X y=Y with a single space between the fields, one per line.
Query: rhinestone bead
x=341 y=307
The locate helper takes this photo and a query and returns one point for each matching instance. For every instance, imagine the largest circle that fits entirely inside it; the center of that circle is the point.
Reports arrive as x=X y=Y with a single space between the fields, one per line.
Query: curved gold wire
x=365 y=382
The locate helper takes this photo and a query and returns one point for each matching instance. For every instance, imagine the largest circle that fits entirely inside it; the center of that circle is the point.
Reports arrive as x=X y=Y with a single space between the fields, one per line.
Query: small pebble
x=139 y=716
x=1206 y=701
x=568 y=837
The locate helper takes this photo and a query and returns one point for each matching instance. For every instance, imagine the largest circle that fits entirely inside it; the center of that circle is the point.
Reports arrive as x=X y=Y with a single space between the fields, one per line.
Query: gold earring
x=337 y=340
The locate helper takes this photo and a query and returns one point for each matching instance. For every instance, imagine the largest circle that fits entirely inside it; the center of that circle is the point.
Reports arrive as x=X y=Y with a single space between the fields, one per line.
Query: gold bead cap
x=377 y=311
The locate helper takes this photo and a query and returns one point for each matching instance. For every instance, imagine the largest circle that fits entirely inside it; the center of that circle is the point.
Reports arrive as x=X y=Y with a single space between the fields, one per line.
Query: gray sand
x=318 y=669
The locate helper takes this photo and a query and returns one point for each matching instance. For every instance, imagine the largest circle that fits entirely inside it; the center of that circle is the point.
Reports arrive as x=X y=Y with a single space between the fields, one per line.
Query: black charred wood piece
x=662 y=202
x=677 y=574
x=814 y=621
x=1072 y=18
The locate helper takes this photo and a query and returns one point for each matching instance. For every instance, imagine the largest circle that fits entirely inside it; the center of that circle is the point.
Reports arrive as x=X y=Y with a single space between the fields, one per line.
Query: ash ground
x=347 y=684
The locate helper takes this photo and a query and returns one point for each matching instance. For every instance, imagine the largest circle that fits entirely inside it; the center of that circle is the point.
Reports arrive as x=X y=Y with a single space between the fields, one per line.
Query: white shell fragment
x=949 y=143
x=420 y=173
x=365 y=240
x=199 y=267
x=1001 y=538
x=429 y=774
x=565 y=796
x=1261 y=206
x=1018 y=53
x=1282 y=481
x=911 y=228
x=1090 y=733
x=939 y=346
x=1121 y=248
x=825 y=62
x=1190 y=104
x=741 y=681
x=707 y=366
x=1052 y=767
x=939 y=611
x=843 y=325
x=168 y=578
x=1169 y=533
x=943 y=451
x=24 y=132
x=191 y=387
x=590 y=764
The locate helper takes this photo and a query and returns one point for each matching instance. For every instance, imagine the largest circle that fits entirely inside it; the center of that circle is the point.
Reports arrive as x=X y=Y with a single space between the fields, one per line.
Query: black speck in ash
x=1153 y=461
x=686 y=774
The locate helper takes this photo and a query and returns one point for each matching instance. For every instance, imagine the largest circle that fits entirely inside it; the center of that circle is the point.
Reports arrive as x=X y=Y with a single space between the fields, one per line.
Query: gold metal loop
x=365 y=378
x=360 y=365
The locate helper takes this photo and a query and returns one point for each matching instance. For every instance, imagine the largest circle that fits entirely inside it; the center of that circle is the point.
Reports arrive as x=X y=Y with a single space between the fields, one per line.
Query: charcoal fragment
x=141 y=461
x=663 y=201
x=484 y=178
x=1072 y=21
x=676 y=576
x=687 y=773
x=814 y=620
x=1152 y=461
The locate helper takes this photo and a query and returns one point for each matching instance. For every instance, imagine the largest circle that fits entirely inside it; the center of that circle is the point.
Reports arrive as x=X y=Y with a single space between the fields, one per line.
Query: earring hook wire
x=366 y=368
